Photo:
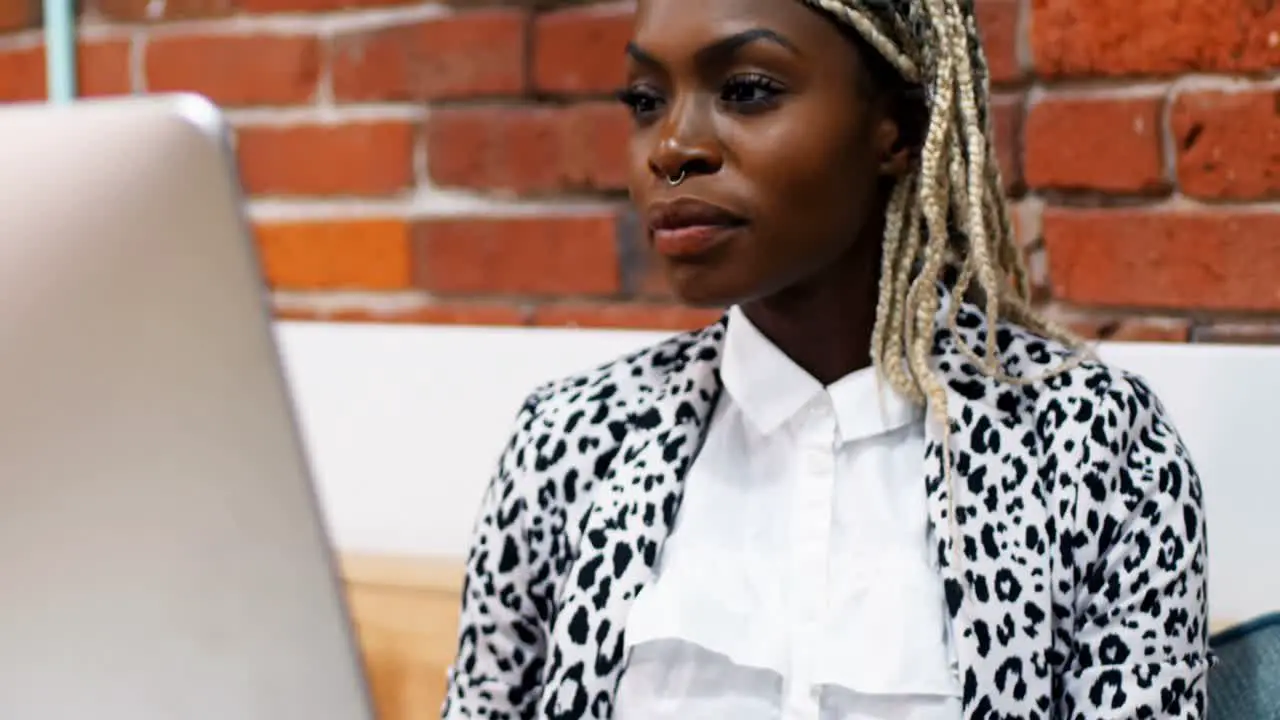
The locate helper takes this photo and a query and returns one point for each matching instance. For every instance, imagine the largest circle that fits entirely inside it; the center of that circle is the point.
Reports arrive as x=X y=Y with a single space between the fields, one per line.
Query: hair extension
x=949 y=214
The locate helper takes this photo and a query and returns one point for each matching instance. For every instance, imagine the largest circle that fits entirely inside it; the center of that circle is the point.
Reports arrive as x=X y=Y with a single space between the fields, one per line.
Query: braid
x=948 y=214
x=950 y=211
x=868 y=26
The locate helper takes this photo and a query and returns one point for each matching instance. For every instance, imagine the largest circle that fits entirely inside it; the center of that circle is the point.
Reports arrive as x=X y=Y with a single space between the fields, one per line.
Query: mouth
x=688 y=228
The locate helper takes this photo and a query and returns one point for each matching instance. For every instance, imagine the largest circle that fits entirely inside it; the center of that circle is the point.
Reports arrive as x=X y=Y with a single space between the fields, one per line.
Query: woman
x=844 y=500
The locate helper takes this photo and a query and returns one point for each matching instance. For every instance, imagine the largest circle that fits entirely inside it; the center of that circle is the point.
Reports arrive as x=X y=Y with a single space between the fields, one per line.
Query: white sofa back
x=404 y=425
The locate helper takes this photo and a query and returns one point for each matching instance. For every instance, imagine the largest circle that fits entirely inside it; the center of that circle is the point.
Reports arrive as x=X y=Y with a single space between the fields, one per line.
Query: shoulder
x=1109 y=455
x=1099 y=428
x=564 y=439
x=1065 y=401
x=584 y=415
x=621 y=384
x=1116 y=407
x=1065 y=385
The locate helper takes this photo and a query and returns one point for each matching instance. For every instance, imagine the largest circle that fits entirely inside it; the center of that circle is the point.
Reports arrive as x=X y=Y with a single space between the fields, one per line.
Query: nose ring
x=674 y=181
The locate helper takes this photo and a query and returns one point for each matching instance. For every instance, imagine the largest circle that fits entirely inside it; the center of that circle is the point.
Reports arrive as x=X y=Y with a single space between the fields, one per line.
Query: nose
x=686 y=142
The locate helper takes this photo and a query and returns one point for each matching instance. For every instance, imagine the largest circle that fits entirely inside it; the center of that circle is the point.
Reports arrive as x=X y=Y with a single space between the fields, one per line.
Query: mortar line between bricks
x=1214 y=83
x=1175 y=202
x=1180 y=201
x=320 y=299
x=1168 y=142
x=423 y=206
x=325 y=300
x=138 y=62
x=1023 y=52
x=324 y=96
x=1120 y=87
x=521 y=312
x=1264 y=331
x=320 y=25
x=92 y=32
x=325 y=114
x=86 y=32
x=522 y=103
x=421 y=161
x=1081 y=312
x=416 y=297
x=433 y=204
x=1134 y=313
x=21 y=40
x=1039 y=92
x=1232 y=317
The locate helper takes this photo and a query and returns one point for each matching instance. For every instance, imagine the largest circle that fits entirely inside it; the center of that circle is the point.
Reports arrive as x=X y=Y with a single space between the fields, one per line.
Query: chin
x=704 y=287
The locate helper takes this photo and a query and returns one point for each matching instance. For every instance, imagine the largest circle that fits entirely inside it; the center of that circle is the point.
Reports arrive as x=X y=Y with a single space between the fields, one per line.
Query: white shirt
x=797 y=582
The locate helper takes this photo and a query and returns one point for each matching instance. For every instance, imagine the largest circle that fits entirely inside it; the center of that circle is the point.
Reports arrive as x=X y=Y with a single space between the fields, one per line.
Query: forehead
x=677 y=24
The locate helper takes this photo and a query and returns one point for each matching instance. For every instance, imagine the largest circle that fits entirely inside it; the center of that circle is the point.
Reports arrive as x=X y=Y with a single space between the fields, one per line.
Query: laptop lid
x=161 y=551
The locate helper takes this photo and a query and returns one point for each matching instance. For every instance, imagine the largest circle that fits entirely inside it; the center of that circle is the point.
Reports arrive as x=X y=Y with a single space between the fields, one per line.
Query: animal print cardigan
x=1080 y=588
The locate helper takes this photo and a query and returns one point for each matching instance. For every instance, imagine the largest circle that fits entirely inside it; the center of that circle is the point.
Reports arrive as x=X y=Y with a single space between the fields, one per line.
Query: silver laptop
x=162 y=555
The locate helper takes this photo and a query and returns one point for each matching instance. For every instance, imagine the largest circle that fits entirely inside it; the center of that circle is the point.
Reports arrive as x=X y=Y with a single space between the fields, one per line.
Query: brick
x=531 y=149
x=145 y=10
x=102 y=69
x=1153 y=37
x=581 y=49
x=1228 y=144
x=1006 y=124
x=19 y=14
x=436 y=313
x=22 y=75
x=998 y=24
x=363 y=254
x=471 y=54
x=236 y=70
x=1219 y=260
x=1107 y=144
x=357 y=158
x=542 y=255
x=629 y=316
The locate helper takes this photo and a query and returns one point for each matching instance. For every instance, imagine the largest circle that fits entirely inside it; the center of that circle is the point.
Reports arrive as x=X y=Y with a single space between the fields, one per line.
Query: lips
x=687 y=227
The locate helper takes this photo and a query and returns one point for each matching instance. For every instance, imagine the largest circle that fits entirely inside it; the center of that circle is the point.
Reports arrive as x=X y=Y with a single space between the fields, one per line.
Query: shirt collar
x=771 y=389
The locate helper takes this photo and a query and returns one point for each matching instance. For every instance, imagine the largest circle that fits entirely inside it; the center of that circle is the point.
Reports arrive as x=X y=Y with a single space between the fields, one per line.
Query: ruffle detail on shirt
x=676 y=680
x=711 y=612
x=887 y=634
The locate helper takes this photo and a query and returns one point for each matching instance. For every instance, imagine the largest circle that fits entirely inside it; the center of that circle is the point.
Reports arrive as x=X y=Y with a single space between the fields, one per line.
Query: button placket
x=811 y=541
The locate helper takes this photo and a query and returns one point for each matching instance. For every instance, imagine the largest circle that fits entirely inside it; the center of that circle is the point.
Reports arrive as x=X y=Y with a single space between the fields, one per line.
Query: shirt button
x=819 y=461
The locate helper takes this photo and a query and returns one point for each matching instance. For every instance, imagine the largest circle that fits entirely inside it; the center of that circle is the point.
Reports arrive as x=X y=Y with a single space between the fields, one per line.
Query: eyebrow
x=723 y=48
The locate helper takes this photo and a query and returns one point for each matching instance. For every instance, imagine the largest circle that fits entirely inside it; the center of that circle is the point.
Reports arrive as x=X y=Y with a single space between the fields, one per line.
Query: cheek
x=810 y=165
x=639 y=177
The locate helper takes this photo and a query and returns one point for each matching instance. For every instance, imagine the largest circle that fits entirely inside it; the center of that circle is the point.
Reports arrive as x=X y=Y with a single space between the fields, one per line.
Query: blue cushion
x=1245 y=682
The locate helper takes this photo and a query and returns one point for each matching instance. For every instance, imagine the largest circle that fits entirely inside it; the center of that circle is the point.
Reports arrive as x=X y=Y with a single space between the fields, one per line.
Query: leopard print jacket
x=1078 y=590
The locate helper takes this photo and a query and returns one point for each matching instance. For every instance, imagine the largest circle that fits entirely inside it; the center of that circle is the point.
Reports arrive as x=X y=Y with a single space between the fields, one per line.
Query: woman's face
x=768 y=112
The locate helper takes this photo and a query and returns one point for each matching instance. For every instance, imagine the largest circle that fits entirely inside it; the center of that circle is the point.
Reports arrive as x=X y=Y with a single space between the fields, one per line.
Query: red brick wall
x=463 y=163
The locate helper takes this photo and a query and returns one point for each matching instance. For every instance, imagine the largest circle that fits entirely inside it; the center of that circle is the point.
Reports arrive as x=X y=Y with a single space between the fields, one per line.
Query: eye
x=642 y=101
x=751 y=92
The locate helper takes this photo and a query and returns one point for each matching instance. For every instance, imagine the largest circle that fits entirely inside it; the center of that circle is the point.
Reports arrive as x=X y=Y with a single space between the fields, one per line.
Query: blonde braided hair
x=949 y=213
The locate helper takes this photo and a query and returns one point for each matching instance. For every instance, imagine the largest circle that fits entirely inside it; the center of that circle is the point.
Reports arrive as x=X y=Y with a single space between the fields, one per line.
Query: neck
x=824 y=324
